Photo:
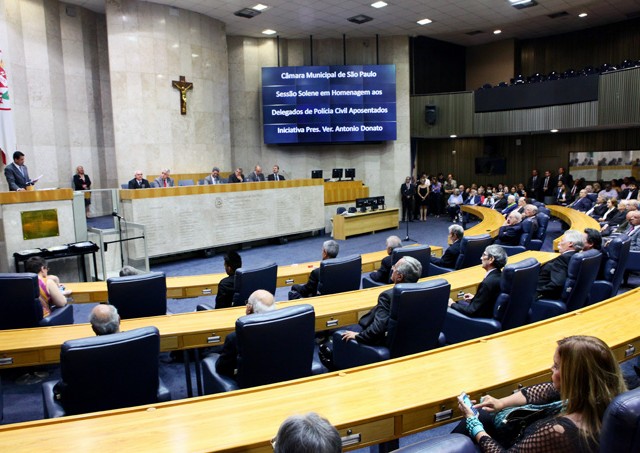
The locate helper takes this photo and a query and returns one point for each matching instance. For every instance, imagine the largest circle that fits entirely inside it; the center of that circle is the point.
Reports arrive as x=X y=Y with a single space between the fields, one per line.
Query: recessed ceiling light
x=452 y=136
x=379 y=4
x=497 y=32
x=582 y=15
x=553 y=131
x=259 y=7
x=424 y=21
x=268 y=31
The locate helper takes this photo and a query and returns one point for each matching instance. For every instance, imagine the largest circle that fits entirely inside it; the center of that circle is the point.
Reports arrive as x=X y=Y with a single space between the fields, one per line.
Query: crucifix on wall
x=182 y=85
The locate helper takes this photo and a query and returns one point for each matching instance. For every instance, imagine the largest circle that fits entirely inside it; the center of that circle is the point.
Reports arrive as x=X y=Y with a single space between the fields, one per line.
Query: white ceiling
x=452 y=19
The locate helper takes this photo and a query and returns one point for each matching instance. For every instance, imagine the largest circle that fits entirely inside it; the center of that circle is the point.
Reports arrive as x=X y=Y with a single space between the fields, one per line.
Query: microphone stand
x=120 y=218
x=407 y=238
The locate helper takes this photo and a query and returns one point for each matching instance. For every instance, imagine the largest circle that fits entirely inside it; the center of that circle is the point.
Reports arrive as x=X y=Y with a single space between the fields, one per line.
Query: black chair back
x=19 y=301
x=338 y=275
x=537 y=240
x=275 y=346
x=517 y=293
x=471 y=249
x=617 y=256
x=139 y=296
x=620 y=431
x=110 y=371
x=421 y=252
x=250 y=280
x=418 y=311
x=582 y=272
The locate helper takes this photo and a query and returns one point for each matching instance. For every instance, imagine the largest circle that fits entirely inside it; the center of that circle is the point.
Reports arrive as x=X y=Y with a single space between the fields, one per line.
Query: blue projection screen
x=329 y=104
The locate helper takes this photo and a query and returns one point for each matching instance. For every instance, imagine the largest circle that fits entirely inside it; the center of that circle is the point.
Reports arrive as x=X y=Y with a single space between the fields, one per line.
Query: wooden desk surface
x=25 y=347
x=207 y=284
x=381 y=401
x=490 y=220
x=575 y=219
x=32 y=196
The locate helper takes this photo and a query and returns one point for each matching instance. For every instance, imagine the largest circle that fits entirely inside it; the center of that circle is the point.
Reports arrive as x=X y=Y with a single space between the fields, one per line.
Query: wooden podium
x=365 y=222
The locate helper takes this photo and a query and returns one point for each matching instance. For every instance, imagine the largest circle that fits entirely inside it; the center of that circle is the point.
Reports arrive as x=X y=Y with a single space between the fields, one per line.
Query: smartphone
x=467 y=402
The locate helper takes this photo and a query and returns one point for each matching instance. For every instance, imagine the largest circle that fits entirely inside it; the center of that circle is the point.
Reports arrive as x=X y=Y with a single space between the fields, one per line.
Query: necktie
x=165 y=183
x=546 y=182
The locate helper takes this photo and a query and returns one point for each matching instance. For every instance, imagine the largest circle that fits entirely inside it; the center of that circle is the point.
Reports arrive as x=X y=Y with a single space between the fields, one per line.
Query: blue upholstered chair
x=615 y=256
x=272 y=347
x=417 y=314
x=138 y=296
x=582 y=272
x=250 y=280
x=338 y=275
x=186 y=182
x=517 y=293
x=620 y=431
x=422 y=253
x=106 y=372
x=538 y=238
x=20 y=304
x=449 y=443
x=523 y=244
x=471 y=249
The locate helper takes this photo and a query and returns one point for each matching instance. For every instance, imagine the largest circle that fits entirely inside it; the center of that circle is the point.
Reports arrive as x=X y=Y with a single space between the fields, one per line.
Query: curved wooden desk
x=575 y=219
x=490 y=220
x=207 y=284
x=376 y=403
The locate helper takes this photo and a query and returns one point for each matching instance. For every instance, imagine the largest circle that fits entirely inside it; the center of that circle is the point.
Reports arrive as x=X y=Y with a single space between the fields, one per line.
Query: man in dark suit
x=407 y=193
x=372 y=327
x=227 y=286
x=481 y=305
x=548 y=184
x=260 y=301
x=554 y=273
x=256 y=175
x=275 y=176
x=138 y=182
x=534 y=188
x=511 y=230
x=566 y=178
x=629 y=193
x=450 y=256
x=583 y=203
x=16 y=173
x=500 y=201
x=530 y=212
x=383 y=274
x=330 y=249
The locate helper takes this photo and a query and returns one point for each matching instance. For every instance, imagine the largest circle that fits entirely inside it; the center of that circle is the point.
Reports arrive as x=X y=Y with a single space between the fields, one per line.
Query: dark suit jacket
x=625 y=193
x=310 y=288
x=509 y=235
x=228 y=359
x=383 y=274
x=77 y=182
x=234 y=178
x=226 y=288
x=14 y=176
x=535 y=188
x=272 y=177
x=582 y=204
x=553 y=275
x=144 y=184
x=566 y=179
x=407 y=192
x=374 y=324
x=481 y=306
x=449 y=257
x=551 y=185
x=501 y=204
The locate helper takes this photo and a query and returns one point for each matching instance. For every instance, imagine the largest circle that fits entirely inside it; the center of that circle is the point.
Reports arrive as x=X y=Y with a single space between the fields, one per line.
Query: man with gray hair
x=511 y=230
x=260 y=301
x=450 y=256
x=372 y=327
x=554 y=273
x=308 y=433
x=330 y=249
x=383 y=274
x=104 y=319
x=530 y=212
x=164 y=180
x=481 y=304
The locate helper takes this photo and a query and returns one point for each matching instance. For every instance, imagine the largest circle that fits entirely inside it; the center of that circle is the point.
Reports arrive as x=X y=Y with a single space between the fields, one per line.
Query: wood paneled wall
x=436 y=66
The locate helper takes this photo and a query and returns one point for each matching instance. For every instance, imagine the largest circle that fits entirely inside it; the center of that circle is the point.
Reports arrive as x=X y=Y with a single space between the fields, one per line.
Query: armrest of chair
x=52 y=407
x=58 y=317
x=511 y=250
x=316 y=365
x=215 y=382
x=204 y=307
x=348 y=354
x=459 y=327
x=535 y=244
x=437 y=270
x=545 y=309
x=368 y=282
x=164 y=394
x=450 y=443
x=600 y=290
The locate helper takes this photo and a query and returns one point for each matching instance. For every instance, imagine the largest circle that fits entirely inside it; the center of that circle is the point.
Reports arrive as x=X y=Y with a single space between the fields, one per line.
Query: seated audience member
x=330 y=249
x=481 y=305
x=275 y=176
x=214 y=177
x=630 y=192
x=583 y=203
x=554 y=273
x=237 y=176
x=226 y=287
x=138 y=182
x=585 y=377
x=129 y=270
x=623 y=228
x=561 y=194
x=309 y=433
x=260 y=301
x=522 y=202
x=256 y=175
x=511 y=205
x=530 y=212
x=474 y=199
x=511 y=230
x=164 y=180
x=500 y=202
x=104 y=319
x=633 y=230
x=453 y=204
x=52 y=294
x=618 y=217
x=612 y=207
x=608 y=191
x=383 y=274
x=592 y=239
x=372 y=327
x=450 y=256
x=598 y=209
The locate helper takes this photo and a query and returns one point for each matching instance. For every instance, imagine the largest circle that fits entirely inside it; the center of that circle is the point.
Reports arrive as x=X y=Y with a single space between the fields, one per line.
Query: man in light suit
x=214 y=177
x=481 y=304
x=275 y=176
x=256 y=175
x=16 y=173
x=164 y=180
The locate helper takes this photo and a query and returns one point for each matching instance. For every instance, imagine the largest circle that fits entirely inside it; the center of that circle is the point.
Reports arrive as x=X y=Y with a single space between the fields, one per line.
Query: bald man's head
x=105 y=319
x=260 y=301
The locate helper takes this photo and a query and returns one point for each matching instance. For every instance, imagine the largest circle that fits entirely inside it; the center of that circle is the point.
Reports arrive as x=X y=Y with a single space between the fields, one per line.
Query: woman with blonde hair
x=585 y=378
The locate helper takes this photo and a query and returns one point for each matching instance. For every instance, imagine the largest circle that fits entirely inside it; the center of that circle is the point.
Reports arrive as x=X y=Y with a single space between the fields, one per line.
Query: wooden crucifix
x=182 y=85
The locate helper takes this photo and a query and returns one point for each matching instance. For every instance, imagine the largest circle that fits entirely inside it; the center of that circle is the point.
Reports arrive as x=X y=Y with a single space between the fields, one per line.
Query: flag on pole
x=7 y=129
